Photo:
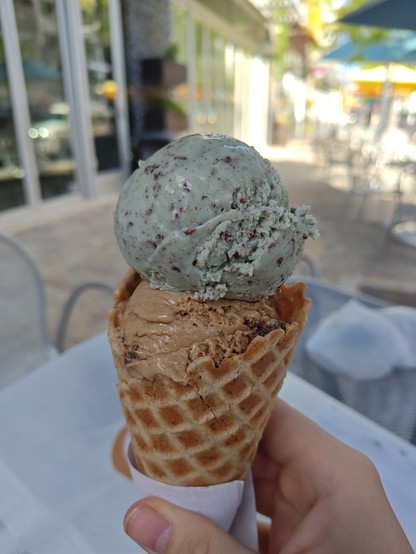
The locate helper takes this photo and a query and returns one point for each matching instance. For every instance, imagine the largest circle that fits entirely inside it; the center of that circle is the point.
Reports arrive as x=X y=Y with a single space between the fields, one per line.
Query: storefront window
x=49 y=112
x=229 y=60
x=225 y=75
x=215 y=82
x=218 y=81
x=178 y=52
x=179 y=34
x=11 y=184
x=200 y=92
x=102 y=87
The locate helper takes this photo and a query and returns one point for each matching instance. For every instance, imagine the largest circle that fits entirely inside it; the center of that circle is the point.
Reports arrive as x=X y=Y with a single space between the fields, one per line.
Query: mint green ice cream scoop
x=208 y=215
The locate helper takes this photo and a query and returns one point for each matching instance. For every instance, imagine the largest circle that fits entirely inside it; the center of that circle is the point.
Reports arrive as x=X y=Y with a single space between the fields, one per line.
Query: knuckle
x=366 y=463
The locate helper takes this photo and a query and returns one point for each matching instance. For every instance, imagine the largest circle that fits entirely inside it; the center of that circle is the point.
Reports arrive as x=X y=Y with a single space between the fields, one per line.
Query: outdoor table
x=60 y=491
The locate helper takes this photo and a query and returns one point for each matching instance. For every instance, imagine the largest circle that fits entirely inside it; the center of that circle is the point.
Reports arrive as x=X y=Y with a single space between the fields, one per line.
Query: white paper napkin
x=363 y=342
x=231 y=506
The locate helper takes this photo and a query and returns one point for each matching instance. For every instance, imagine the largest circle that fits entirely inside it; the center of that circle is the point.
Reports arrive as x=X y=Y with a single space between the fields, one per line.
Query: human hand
x=322 y=497
x=161 y=527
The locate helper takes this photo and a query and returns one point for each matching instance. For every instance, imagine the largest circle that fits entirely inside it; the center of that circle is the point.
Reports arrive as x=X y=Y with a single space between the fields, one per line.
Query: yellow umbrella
x=371 y=81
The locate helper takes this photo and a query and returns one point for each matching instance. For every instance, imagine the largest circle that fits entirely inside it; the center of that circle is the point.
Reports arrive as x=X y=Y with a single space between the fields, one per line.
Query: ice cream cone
x=206 y=431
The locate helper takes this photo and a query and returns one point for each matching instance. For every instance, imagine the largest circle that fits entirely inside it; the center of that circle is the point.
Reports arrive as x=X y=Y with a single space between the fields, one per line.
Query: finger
x=264 y=467
x=161 y=527
x=289 y=434
x=265 y=492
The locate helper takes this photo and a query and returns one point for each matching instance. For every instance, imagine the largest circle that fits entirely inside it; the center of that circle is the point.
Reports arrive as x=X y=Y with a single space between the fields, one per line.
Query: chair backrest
x=407 y=184
x=309 y=266
x=24 y=340
x=94 y=313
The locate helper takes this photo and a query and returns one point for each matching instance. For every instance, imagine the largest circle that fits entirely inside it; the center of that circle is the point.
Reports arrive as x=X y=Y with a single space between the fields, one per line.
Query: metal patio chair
x=372 y=175
x=24 y=337
x=308 y=266
x=387 y=400
x=81 y=294
x=74 y=300
x=402 y=226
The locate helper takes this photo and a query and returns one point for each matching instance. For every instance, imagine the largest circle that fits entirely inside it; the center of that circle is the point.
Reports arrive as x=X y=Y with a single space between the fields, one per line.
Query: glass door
x=48 y=109
x=102 y=32
x=63 y=101
x=19 y=179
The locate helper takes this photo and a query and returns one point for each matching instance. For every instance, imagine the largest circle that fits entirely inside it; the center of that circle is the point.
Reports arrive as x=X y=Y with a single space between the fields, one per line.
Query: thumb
x=163 y=528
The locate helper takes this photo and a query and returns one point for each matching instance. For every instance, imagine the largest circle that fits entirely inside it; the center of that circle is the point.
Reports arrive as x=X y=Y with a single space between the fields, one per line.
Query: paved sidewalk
x=72 y=241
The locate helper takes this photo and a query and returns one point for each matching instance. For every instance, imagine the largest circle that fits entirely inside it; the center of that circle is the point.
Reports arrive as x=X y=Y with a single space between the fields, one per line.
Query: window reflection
x=220 y=101
x=180 y=93
x=49 y=113
x=102 y=87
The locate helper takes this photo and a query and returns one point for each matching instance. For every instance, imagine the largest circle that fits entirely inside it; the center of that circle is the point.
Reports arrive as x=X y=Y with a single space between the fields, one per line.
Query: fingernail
x=148 y=528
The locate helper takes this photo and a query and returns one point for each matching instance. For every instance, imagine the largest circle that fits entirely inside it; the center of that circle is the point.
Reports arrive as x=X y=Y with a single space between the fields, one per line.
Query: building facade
x=72 y=94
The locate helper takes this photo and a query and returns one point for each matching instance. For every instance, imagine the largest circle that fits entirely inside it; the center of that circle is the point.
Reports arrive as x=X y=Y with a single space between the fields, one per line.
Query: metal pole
x=191 y=78
x=385 y=102
x=76 y=87
x=119 y=75
x=19 y=102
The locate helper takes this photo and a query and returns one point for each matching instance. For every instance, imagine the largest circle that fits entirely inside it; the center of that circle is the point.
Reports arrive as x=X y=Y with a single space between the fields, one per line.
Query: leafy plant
x=171 y=52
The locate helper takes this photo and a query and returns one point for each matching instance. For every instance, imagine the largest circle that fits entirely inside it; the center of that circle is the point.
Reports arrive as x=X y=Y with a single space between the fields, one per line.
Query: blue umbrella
x=391 y=49
x=388 y=14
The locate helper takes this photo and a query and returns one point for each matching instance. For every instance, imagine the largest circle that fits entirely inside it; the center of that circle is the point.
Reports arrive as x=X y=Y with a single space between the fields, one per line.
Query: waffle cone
x=206 y=431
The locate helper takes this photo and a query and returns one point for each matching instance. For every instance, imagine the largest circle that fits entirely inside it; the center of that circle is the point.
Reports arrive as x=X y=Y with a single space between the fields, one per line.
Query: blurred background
x=89 y=87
